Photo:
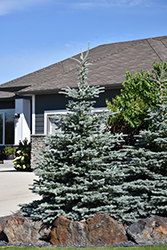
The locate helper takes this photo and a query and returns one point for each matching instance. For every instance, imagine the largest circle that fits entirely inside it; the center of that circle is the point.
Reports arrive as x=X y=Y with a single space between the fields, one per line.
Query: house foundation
x=37 y=146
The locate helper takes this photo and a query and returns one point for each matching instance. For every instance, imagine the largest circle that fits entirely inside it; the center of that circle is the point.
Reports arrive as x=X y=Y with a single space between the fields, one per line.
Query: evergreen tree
x=143 y=189
x=75 y=177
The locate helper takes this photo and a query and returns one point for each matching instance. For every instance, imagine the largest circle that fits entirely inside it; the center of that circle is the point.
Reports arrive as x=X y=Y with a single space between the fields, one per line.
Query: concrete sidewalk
x=14 y=188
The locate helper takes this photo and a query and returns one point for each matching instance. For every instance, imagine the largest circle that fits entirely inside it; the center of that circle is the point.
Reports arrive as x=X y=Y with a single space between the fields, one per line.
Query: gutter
x=13 y=89
x=56 y=90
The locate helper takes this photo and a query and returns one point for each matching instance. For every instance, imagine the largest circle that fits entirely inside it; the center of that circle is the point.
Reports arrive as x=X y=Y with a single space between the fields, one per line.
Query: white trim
x=33 y=114
x=64 y=111
x=98 y=110
x=52 y=112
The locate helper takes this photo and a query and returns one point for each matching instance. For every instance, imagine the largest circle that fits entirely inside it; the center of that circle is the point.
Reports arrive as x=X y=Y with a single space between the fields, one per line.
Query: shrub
x=22 y=156
x=9 y=150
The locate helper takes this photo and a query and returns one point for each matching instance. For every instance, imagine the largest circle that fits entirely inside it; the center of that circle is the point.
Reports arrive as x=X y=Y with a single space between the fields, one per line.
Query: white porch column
x=22 y=127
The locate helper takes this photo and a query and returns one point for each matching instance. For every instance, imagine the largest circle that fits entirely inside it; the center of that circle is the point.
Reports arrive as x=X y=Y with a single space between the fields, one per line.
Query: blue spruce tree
x=143 y=188
x=75 y=176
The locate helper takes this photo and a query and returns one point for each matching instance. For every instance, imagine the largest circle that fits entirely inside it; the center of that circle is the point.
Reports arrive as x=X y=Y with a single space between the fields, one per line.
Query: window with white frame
x=49 y=118
x=7 y=127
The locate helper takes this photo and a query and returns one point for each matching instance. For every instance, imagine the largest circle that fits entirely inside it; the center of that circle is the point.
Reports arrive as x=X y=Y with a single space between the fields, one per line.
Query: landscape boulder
x=18 y=230
x=149 y=231
x=3 y=220
x=100 y=230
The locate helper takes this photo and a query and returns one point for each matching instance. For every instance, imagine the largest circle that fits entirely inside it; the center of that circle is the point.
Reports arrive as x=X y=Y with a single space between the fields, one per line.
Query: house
x=28 y=103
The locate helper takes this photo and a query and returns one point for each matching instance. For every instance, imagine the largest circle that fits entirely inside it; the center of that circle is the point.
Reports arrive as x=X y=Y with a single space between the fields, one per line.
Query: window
x=49 y=120
x=50 y=125
x=6 y=127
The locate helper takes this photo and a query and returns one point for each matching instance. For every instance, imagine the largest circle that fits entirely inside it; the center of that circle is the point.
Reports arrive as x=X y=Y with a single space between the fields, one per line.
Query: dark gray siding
x=7 y=104
x=39 y=124
x=108 y=94
x=47 y=102
x=58 y=101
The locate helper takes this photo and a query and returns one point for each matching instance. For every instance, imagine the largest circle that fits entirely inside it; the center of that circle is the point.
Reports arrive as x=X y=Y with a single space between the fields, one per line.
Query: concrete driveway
x=14 y=188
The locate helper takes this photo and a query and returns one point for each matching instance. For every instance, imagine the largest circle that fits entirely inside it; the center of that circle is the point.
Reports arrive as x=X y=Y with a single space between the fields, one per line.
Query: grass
x=162 y=247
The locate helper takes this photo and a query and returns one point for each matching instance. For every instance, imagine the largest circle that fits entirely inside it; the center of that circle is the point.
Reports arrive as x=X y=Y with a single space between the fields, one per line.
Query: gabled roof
x=109 y=64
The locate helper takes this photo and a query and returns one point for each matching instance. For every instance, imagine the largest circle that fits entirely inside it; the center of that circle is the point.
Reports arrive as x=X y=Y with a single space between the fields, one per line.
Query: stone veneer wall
x=37 y=145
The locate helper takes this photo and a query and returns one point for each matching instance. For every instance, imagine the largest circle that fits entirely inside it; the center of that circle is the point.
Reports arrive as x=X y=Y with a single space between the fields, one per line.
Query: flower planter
x=10 y=157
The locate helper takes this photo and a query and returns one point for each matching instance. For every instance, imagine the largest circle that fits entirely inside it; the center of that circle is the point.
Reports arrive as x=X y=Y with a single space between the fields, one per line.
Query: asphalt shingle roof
x=109 y=64
x=7 y=95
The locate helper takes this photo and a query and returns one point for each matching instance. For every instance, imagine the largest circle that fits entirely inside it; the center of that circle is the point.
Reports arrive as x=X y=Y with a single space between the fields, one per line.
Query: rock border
x=98 y=231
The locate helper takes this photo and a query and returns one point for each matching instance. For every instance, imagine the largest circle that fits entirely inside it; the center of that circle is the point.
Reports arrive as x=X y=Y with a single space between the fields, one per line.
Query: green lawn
x=164 y=247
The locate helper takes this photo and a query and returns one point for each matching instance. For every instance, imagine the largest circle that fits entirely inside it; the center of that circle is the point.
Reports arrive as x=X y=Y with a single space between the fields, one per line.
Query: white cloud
x=110 y=3
x=8 y=6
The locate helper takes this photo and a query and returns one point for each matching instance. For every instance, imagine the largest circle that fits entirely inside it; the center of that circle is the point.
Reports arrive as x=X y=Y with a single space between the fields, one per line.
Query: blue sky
x=38 y=33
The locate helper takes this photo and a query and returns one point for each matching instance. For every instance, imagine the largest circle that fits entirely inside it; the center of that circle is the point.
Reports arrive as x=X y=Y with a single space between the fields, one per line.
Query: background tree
x=137 y=96
x=75 y=177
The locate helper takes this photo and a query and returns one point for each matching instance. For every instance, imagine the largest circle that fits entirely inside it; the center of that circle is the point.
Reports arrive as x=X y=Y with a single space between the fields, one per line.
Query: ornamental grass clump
x=75 y=177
